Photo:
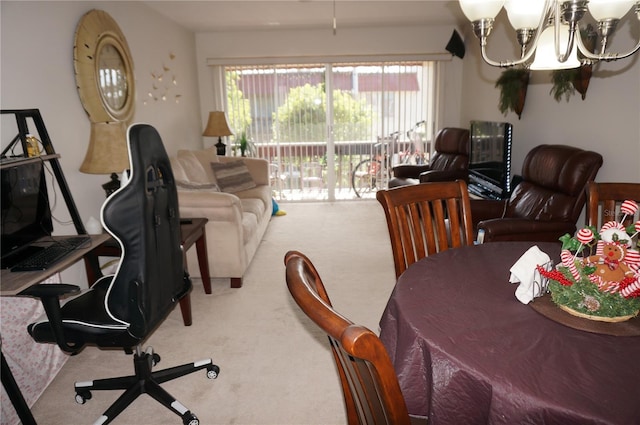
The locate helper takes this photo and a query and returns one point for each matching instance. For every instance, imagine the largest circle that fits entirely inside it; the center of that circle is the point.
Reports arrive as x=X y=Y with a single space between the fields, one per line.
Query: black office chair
x=122 y=310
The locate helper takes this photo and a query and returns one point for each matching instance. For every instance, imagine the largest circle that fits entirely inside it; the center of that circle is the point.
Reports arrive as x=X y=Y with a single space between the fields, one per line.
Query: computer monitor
x=26 y=214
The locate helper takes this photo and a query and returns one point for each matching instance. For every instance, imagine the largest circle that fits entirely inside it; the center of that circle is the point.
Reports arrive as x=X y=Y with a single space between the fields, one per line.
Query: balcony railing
x=299 y=170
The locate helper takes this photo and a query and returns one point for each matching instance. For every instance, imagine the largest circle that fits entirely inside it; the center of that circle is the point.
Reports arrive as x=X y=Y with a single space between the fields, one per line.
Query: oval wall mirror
x=104 y=68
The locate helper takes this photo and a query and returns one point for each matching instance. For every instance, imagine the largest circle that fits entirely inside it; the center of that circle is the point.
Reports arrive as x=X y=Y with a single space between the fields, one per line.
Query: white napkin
x=523 y=271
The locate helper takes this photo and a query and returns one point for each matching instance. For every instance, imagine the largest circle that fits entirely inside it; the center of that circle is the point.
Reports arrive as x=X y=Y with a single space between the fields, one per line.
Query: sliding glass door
x=316 y=122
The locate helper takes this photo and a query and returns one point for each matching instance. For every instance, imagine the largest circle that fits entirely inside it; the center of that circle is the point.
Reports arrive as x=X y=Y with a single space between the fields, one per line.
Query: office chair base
x=145 y=381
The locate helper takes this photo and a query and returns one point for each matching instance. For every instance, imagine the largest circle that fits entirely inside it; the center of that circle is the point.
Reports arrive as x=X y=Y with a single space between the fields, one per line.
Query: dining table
x=467 y=351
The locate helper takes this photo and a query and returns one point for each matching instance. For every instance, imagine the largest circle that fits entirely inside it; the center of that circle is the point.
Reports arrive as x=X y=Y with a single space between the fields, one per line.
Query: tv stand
x=482 y=190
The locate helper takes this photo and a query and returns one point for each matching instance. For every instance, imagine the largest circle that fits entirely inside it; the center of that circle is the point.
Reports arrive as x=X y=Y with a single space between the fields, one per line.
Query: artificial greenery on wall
x=569 y=81
x=566 y=82
x=513 y=83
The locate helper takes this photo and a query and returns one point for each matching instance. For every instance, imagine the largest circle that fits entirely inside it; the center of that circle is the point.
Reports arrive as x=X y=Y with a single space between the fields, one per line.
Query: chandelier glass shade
x=548 y=30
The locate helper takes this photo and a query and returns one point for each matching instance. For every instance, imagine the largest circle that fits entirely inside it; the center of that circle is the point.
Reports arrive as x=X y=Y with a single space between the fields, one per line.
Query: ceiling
x=238 y=15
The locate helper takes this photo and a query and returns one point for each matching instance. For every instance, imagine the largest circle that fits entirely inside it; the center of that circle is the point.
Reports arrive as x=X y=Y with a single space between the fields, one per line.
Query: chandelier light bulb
x=524 y=13
x=476 y=10
x=609 y=9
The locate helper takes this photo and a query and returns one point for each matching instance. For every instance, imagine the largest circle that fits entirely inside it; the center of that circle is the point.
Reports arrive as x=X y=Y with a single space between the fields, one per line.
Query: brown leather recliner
x=548 y=201
x=450 y=161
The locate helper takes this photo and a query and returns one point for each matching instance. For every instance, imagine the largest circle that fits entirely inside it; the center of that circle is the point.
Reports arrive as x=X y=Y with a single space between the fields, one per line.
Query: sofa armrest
x=409 y=171
x=216 y=206
x=258 y=167
x=444 y=176
x=521 y=229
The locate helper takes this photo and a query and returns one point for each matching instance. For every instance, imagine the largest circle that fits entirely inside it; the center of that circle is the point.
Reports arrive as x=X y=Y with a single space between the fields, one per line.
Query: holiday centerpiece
x=599 y=274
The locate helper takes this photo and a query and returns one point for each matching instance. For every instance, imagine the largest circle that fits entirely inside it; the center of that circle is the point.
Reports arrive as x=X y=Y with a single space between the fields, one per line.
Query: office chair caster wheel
x=155 y=359
x=190 y=419
x=83 y=396
x=213 y=371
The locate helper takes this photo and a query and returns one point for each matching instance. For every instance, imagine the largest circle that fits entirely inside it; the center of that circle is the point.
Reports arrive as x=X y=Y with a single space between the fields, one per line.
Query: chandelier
x=549 y=29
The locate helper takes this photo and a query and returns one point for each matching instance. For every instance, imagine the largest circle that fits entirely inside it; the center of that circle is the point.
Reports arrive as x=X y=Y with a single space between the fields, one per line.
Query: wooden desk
x=192 y=231
x=12 y=283
x=467 y=351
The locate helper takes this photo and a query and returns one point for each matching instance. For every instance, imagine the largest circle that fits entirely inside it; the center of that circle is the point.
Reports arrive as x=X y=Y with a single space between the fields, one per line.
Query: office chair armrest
x=409 y=171
x=56 y=290
x=49 y=294
x=443 y=175
x=521 y=229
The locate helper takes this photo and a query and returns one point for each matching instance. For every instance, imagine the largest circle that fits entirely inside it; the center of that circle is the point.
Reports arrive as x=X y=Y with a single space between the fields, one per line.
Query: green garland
x=585 y=297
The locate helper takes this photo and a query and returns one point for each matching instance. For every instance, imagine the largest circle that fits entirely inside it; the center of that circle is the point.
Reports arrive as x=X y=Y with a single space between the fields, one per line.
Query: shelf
x=18 y=160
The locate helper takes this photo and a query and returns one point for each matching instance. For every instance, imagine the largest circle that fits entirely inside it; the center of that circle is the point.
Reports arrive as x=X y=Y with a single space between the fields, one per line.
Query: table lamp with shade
x=107 y=153
x=217 y=127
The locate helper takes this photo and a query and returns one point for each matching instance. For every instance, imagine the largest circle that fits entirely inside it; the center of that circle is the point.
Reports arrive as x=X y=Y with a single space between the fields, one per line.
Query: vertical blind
x=287 y=103
x=284 y=110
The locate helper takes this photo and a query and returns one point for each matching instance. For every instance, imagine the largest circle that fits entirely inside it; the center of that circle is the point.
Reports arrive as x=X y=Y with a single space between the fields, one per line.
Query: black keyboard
x=50 y=255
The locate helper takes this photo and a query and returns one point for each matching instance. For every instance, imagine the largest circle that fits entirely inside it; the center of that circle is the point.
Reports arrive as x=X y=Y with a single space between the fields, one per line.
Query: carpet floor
x=276 y=367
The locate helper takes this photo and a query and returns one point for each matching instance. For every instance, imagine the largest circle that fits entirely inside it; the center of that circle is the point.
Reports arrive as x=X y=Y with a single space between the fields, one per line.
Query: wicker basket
x=598 y=318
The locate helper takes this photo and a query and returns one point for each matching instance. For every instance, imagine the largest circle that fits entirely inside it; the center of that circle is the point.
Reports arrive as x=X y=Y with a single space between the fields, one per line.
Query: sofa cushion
x=193 y=168
x=196 y=187
x=249 y=227
x=253 y=206
x=233 y=176
x=207 y=157
x=179 y=174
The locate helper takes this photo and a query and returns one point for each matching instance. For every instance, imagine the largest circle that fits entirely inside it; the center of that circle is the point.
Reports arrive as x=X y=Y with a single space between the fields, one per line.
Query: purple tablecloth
x=466 y=351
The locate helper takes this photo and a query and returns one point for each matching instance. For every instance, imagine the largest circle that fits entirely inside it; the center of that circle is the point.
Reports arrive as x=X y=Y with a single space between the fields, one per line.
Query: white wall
x=36 y=71
x=607 y=121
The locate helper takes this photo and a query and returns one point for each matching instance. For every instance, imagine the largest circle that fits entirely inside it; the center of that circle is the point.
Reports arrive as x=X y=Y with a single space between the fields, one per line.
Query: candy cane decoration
x=612 y=225
x=628 y=207
x=568 y=260
x=636 y=226
x=632 y=259
x=632 y=290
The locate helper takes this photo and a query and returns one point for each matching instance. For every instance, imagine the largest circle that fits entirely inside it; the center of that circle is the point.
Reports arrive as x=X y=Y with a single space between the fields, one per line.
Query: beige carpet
x=276 y=367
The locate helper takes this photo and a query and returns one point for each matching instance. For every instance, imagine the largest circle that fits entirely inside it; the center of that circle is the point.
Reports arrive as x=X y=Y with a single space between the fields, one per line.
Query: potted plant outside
x=246 y=146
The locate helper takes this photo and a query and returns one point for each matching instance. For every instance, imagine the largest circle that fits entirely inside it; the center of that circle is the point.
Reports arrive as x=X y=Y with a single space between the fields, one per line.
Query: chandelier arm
x=501 y=64
x=605 y=56
x=544 y=18
x=572 y=37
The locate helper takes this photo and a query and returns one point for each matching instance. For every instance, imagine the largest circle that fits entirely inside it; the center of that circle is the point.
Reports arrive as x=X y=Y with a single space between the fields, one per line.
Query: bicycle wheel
x=366 y=177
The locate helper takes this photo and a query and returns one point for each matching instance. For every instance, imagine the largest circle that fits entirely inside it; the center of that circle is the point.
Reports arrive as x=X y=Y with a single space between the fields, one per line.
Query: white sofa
x=237 y=221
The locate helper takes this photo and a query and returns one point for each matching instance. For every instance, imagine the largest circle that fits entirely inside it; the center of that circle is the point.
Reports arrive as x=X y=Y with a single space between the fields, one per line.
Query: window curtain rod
x=291 y=60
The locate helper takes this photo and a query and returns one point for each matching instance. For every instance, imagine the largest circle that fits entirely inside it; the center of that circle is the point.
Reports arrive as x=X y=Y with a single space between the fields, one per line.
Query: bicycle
x=373 y=173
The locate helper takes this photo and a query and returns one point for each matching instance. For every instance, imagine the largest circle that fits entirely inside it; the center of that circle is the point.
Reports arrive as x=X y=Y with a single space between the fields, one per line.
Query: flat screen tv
x=26 y=215
x=490 y=159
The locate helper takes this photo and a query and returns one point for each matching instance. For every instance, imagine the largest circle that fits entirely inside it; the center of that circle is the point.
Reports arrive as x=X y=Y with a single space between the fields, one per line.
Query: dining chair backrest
x=426 y=218
x=604 y=200
x=370 y=386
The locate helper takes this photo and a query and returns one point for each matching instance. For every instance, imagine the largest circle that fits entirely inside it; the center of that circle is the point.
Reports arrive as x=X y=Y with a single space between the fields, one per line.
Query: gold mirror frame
x=96 y=32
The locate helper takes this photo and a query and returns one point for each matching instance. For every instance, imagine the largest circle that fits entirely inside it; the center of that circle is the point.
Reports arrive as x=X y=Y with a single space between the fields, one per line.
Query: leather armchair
x=548 y=201
x=450 y=161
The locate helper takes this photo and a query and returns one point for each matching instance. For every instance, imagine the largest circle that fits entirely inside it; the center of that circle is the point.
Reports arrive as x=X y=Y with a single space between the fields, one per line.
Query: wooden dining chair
x=425 y=219
x=370 y=386
x=604 y=200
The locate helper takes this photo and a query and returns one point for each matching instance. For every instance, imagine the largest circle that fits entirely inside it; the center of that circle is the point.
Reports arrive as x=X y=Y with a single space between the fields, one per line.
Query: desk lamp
x=217 y=127
x=107 y=153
